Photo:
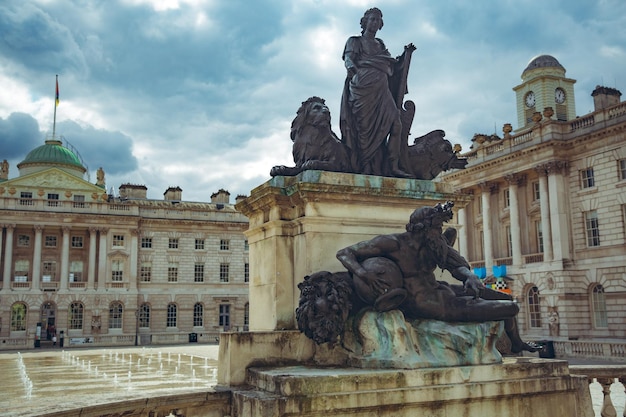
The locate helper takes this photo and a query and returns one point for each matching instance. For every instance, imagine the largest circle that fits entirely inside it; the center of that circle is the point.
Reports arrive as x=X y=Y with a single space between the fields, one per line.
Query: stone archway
x=48 y=319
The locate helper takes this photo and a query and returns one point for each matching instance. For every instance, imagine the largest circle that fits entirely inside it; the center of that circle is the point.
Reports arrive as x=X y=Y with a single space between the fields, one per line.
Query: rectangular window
x=145 y=272
x=21 y=270
x=53 y=200
x=26 y=198
x=539 y=232
x=198 y=272
x=479 y=203
x=50 y=241
x=591 y=226
x=622 y=169
x=79 y=201
x=117 y=270
x=118 y=240
x=198 y=312
x=224 y=272
x=224 y=244
x=536 y=193
x=23 y=241
x=77 y=241
x=586 y=178
x=171 y=315
x=172 y=273
x=75 y=316
x=49 y=271
x=507 y=197
x=224 y=319
x=246 y=245
x=199 y=244
x=76 y=271
x=146 y=242
x=173 y=243
x=144 y=315
x=509 y=241
x=246 y=272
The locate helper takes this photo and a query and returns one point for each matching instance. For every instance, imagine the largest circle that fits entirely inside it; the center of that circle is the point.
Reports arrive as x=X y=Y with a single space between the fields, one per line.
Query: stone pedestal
x=518 y=387
x=298 y=223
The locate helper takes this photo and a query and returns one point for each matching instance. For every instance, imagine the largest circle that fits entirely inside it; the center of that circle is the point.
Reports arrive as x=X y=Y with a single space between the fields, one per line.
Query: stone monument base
x=518 y=387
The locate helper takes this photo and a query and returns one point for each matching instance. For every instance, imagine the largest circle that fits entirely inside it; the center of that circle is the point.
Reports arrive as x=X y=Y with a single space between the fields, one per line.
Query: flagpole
x=56 y=103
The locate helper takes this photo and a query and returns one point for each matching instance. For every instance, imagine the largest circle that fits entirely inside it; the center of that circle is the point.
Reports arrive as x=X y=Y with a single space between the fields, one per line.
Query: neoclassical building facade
x=105 y=270
x=549 y=204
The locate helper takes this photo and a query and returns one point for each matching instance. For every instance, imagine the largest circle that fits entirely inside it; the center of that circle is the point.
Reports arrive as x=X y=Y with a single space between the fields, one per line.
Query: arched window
x=534 y=309
x=75 y=316
x=18 y=317
x=171 y=315
x=198 y=312
x=246 y=317
x=598 y=307
x=144 y=315
x=115 y=315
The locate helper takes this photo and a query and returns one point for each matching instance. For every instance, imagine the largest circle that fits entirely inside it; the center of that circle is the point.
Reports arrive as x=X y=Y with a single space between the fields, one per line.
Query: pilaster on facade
x=487 y=189
x=544 y=206
x=8 y=256
x=65 y=258
x=559 y=210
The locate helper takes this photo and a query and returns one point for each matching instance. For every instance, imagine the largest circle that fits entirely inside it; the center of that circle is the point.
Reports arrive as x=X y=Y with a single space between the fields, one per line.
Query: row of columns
x=553 y=208
x=65 y=258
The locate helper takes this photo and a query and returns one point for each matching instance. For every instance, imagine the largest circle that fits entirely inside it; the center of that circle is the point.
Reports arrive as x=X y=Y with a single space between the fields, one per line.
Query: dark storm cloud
x=99 y=147
x=19 y=134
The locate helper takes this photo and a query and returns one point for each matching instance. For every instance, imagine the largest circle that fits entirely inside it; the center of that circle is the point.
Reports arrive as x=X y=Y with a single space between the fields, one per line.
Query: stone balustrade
x=611 y=380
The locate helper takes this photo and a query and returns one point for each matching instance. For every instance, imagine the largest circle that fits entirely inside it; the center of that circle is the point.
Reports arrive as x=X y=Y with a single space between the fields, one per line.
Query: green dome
x=52 y=153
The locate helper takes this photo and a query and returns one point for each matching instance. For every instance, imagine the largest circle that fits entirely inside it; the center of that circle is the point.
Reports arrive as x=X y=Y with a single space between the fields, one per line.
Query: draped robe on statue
x=368 y=109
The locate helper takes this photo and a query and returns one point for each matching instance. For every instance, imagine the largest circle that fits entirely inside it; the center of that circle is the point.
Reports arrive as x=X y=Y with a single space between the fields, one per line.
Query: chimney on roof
x=222 y=197
x=240 y=197
x=173 y=194
x=604 y=97
x=133 y=191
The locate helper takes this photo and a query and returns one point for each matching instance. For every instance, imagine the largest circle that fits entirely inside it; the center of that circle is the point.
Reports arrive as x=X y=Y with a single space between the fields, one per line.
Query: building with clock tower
x=544 y=85
x=546 y=221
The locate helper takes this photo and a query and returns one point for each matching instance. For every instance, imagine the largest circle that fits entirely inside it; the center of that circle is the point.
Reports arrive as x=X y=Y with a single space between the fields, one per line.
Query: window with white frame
x=172 y=272
x=116 y=311
x=26 y=198
x=75 y=316
x=118 y=241
x=198 y=313
x=246 y=272
x=76 y=271
x=536 y=193
x=77 y=242
x=50 y=241
x=199 y=244
x=22 y=268
x=23 y=241
x=598 y=307
x=534 y=308
x=49 y=271
x=53 y=200
x=172 y=315
x=172 y=243
x=586 y=178
x=145 y=272
x=224 y=244
x=506 y=194
x=592 y=228
x=224 y=272
x=117 y=270
x=198 y=272
x=146 y=243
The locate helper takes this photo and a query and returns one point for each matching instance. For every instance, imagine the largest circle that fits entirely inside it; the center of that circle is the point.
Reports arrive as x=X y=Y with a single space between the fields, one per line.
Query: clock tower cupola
x=544 y=85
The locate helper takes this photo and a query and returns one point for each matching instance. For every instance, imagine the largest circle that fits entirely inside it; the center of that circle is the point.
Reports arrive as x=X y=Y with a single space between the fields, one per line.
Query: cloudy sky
x=201 y=93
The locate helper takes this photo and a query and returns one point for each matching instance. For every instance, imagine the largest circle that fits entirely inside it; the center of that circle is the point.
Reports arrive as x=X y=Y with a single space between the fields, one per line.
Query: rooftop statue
x=396 y=272
x=375 y=121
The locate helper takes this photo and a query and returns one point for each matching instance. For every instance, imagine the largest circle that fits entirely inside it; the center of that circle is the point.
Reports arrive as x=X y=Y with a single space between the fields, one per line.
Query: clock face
x=559 y=96
x=530 y=99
